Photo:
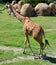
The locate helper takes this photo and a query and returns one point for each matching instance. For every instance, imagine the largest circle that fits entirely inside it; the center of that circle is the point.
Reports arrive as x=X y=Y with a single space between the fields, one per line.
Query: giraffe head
x=7 y=5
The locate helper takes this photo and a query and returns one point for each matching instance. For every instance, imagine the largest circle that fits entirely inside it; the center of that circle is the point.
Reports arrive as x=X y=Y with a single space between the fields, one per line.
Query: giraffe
x=32 y=29
x=9 y=9
x=16 y=5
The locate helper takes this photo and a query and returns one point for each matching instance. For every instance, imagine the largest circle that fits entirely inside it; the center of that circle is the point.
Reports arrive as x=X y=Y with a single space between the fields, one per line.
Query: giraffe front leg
x=27 y=41
x=30 y=46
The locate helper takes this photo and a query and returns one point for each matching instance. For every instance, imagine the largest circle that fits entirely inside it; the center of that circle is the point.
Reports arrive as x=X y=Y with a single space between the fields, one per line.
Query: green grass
x=29 y=62
x=6 y=55
x=11 y=34
x=48 y=22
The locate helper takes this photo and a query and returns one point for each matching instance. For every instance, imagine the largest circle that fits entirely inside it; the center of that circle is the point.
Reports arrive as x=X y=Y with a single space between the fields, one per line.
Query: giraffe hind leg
x=25 y=42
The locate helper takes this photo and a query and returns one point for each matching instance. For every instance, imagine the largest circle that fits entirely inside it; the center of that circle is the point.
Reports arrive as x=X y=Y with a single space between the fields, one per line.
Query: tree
x=35 y=2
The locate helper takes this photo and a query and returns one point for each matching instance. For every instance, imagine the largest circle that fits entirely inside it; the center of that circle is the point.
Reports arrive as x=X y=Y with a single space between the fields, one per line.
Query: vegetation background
x=32 y=2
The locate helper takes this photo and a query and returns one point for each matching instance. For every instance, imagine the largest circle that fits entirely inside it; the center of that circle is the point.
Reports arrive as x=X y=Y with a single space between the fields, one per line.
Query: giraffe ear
x=7 y=3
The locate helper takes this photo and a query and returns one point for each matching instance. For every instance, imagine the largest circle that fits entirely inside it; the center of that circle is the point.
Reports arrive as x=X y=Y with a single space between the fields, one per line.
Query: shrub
x=32 y=2
x=35 y=2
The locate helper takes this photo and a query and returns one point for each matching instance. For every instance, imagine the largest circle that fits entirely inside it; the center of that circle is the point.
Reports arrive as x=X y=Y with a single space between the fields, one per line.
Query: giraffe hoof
x=24 y=52
x=33 y=54
x=44 y=56
x=40 y=56
x=36 y=57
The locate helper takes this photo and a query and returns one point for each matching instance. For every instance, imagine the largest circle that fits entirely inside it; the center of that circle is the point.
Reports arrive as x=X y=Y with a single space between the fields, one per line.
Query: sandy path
x=15 y=49
x=17 y=59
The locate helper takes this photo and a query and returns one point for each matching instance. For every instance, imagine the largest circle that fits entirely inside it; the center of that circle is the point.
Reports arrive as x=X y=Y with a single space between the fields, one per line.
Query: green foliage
x=35 y=2
x=48 y=1
x=32 y=2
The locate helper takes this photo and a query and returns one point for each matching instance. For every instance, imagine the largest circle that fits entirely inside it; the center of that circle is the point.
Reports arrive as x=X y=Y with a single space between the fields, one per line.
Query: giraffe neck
x=19 y=16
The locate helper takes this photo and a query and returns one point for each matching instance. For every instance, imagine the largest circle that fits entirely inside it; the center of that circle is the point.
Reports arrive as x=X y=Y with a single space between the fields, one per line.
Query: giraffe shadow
x=50 y=59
